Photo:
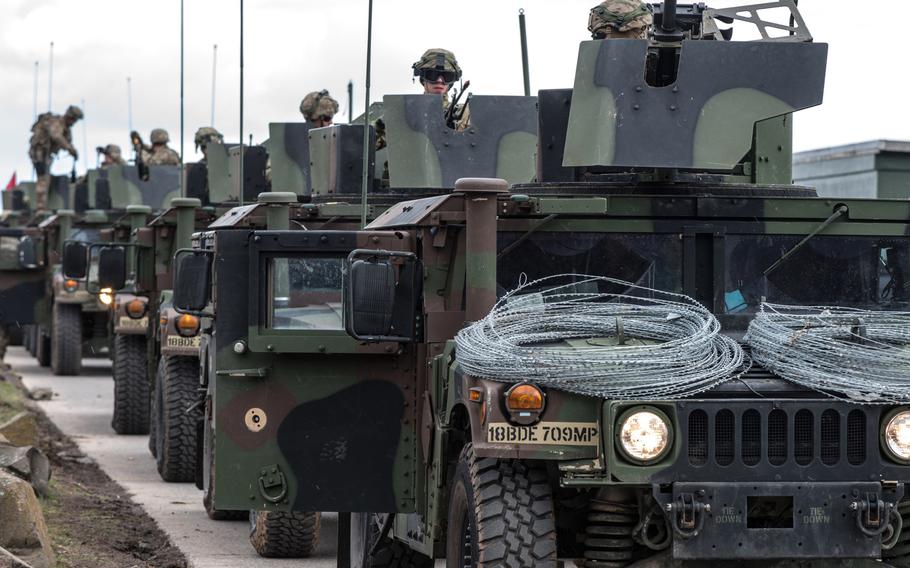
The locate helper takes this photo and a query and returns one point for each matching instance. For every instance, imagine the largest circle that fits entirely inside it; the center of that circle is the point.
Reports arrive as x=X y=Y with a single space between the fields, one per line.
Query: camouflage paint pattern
x=119 y=186
x=289 y=157
x=423 y=152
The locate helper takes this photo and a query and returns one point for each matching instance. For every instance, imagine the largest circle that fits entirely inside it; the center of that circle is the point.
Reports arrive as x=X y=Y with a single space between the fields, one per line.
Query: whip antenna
x=524 y=51
x=366 y=122
x=350 y=102
x=214 y=69
x=182 y=184
x=50 y=79
x=240 y=179
x=35 y=95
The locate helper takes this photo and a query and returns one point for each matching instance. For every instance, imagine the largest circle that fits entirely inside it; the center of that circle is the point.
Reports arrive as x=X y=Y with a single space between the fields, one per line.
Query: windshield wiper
x=838 y=213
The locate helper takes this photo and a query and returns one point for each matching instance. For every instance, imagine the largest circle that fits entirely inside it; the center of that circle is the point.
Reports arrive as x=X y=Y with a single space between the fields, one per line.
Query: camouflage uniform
x=50 y=134
x=159 y=154
x=620 y=19
x=443 y=61
x=318 y=105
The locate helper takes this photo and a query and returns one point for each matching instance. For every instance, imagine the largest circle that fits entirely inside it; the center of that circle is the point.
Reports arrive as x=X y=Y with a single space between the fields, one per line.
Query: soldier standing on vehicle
x=50 y=134
x=438 y=70
x=158 y=154
x=620 y=19
x=112 y=156
x=318 y=108
x=205 y=136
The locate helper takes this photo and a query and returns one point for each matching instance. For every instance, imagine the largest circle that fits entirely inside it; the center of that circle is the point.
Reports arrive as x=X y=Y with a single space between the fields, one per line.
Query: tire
x=276 y=534
x=366 y=529
x=66 y=340
x=501 y=514
x=42 y=348
x=208 y=497
x=176 y=429
x=157 y=389
x=131 y=385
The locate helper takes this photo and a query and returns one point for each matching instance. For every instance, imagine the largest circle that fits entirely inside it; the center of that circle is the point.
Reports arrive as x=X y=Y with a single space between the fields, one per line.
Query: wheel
x=66 y=339
x=500 y=514
x=42 y=348
x=208 y=494
x=176 y=429
x=157 y=389
x=366 y=529
x=276 y=534
x=131 y=386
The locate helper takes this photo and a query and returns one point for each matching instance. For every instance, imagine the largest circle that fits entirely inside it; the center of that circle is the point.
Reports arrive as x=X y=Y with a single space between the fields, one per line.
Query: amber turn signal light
x=135 y=308
x=70 y=285
x=187 y=325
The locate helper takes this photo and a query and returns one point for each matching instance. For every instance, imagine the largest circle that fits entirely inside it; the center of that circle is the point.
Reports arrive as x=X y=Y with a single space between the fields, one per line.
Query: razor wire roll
x=638 y=344
x=858 y=355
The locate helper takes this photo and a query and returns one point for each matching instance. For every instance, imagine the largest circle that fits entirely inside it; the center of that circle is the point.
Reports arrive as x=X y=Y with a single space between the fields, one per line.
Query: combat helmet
x=113 y=152
x=437 y=62
x=159 y=136
x=318 y=105
x=73 y=112
x=207 y=135
x=620 y=19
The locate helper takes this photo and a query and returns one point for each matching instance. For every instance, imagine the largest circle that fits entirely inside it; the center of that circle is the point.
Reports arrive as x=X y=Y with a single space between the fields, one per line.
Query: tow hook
x=874 y=517
x=687 y=514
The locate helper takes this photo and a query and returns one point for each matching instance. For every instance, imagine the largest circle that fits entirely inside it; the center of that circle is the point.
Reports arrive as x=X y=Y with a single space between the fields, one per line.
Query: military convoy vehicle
x=343 y=370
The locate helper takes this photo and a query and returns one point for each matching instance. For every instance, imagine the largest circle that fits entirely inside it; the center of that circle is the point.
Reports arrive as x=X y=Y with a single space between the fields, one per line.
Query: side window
x=305 y=293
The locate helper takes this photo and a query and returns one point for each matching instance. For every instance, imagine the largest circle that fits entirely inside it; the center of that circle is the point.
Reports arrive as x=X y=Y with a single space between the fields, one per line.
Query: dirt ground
x=92 y=522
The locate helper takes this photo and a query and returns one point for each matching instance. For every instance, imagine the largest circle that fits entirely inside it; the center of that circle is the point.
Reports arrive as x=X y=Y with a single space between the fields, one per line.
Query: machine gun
x=141 y=167
x=452 y=114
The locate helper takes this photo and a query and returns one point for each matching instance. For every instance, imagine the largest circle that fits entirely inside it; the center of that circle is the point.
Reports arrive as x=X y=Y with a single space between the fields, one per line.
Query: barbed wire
x=858 y=355
x=573 y=337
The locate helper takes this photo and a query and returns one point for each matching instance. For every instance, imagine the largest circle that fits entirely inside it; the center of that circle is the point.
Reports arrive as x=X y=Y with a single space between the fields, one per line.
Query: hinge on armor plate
x=272 y=484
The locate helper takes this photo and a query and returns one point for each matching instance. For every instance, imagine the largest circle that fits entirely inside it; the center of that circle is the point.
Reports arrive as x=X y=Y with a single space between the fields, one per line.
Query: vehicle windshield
x=649 y=260
x=85 y=235
x=857 y=272
x=305 y=293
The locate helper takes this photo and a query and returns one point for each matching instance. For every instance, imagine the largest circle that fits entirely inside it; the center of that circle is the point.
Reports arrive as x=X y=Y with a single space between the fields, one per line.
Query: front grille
x=756 y=434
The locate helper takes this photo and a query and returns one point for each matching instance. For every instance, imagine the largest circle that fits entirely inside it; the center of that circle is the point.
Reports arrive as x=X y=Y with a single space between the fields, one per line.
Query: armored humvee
x=337 y=384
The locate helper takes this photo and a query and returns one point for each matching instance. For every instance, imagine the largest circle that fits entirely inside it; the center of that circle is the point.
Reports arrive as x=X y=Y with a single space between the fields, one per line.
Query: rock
x=21 y=430
x=22 y=528
x=41 y=393
x=28 y=463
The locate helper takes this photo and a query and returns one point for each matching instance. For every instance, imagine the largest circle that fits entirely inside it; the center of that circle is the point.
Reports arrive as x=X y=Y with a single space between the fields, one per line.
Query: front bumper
x=796 y=520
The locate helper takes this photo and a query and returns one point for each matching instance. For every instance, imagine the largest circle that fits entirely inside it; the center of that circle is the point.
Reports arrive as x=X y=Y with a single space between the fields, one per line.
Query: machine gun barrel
x=668 y=18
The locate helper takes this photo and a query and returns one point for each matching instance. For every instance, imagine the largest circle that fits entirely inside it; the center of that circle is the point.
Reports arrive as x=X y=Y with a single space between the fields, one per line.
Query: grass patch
x=12 y=401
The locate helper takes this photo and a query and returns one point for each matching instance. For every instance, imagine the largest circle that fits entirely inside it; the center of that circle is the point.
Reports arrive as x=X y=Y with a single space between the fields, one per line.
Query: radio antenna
x=366 y=122
x=240 y=179
x=50 y=79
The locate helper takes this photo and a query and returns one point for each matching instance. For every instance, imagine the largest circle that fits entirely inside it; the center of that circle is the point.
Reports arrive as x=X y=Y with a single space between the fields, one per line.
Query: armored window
x=305 y=293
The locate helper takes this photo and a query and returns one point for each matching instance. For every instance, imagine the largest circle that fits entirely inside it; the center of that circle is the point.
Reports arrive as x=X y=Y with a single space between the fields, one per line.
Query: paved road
x=83 y=411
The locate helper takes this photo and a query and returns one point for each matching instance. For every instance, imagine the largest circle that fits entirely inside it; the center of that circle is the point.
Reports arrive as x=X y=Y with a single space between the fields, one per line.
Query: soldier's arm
x=56 y=132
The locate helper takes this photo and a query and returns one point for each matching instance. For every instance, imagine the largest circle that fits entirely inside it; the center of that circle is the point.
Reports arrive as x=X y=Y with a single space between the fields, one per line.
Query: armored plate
x=119 y=186
x=501 y=140
x=289 y=156
x=703 y=121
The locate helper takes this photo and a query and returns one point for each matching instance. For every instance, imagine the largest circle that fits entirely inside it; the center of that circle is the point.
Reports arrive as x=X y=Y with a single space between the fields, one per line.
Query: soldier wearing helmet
x=318 y=108
x=205 y=136
x=50 y=134
x=438 y=70
x=620 y=19
x=112 y=156
x=158 y=154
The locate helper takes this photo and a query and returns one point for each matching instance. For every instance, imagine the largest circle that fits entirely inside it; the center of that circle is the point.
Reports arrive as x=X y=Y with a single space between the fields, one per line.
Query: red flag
x=12 y=182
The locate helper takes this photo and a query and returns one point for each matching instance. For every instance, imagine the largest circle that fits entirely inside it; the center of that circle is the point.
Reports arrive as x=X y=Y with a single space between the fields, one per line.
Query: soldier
x=620 y=19
x=50 y=134
x=112 y=156
x=158 y=154
x=438 y=70
x=205 y=136
x=318 y=108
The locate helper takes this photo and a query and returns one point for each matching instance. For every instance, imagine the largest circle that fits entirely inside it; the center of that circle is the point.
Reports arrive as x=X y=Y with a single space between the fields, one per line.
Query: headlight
x=644 y=435
x=106 y=296
x=70 y=285
x=896 y=436
x=187 y=325
x=135 y=308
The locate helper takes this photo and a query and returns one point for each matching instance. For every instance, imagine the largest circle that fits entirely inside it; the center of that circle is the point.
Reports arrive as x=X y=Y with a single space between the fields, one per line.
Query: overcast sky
x=296 y=46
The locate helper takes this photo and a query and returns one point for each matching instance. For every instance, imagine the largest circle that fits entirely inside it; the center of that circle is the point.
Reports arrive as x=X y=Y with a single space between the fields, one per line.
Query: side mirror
x=75 y=260
x=381 y=293
x=28 y=252
x=112 y=268
x=192 y=283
